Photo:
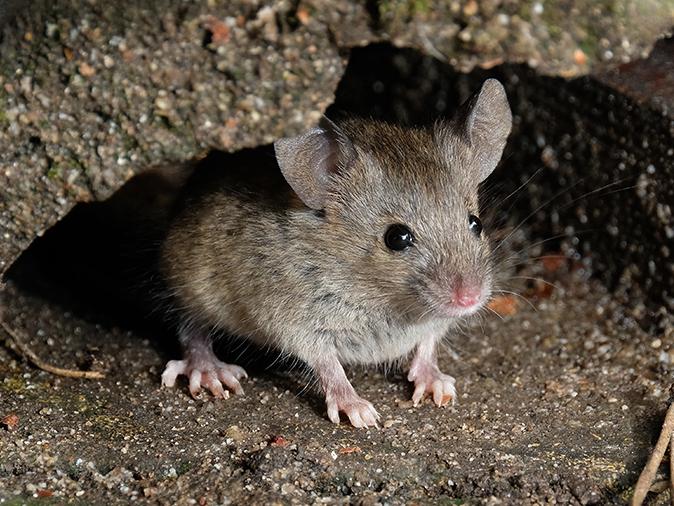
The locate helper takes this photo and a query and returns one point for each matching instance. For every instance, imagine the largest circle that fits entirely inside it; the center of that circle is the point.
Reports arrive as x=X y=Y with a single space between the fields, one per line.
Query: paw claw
x=333 y=413
x=356 y=420
x=419 y=392
x=195 y=382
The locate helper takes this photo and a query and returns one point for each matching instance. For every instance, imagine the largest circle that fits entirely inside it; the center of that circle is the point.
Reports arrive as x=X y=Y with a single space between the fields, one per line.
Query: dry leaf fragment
x=218 y=29
x=553 y=263
x=504 y=305
x=11 y=421
x=279 y=441
x=303 y=15
x=349 y=449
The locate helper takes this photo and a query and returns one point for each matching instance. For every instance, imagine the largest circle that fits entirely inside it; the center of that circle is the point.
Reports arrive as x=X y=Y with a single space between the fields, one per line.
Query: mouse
x=355 y=242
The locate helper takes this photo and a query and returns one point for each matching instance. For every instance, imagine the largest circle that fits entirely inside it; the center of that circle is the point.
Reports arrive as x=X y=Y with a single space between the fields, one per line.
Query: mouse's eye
x=398 y=237
x=475 y=225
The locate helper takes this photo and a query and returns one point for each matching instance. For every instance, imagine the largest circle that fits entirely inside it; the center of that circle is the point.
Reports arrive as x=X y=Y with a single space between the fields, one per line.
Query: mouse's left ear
x=484 y=121
x=309 y=161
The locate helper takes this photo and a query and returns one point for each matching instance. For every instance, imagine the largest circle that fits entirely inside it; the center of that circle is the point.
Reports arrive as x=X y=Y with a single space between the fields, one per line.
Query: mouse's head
x=401 y=205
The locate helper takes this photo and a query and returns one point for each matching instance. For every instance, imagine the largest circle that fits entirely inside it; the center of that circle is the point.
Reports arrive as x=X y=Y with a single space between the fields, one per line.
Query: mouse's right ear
x=309 y=161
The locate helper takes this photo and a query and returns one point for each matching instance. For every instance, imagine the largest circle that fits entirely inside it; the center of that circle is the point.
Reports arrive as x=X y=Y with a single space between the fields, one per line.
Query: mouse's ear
x=309 y=160
x=485 y=121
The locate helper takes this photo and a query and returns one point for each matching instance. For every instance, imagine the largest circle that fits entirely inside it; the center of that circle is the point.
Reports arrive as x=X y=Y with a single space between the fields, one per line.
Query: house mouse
x=357 y=242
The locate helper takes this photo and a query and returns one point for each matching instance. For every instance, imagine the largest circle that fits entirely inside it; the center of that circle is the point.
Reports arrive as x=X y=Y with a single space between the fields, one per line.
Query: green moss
x=421 y=6
x=183 y=467
x=450 y=501
x=15 y=385
x=31 y=501
x=55 y=171
x=589 y=45
x=74 y=472
x=524 y=11
x=403 y=10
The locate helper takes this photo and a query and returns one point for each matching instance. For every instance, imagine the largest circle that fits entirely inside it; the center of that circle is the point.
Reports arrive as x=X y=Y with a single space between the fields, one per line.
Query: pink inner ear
x=302 y=161
x=308 y=161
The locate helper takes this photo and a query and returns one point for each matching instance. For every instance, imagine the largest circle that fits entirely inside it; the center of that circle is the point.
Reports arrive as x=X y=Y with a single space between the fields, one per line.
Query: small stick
x=671 y=468
x=648 y=474
x=30 y=355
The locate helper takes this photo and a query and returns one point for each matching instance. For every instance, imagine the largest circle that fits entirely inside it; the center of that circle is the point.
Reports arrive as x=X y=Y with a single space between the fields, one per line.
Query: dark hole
x=208 y=38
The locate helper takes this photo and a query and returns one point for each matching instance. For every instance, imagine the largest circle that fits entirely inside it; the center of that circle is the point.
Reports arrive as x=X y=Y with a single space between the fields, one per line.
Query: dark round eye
x=398 y=237
x=475 y=225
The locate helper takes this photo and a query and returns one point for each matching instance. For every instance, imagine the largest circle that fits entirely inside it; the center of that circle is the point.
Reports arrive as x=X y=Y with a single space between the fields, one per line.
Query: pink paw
x=428 y=379
x=212 y=374
x=361 y=413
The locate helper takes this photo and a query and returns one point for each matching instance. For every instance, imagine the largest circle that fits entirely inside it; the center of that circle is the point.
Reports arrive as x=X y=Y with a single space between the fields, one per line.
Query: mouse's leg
x=341 y=396
x=427 y=377
x=202 y=367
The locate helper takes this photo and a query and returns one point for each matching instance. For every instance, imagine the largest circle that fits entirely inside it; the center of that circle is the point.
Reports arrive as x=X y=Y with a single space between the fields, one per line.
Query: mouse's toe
x=361 y=413
x=208 y=379
x=174 y=368
x=364 y=415
x=430 y=380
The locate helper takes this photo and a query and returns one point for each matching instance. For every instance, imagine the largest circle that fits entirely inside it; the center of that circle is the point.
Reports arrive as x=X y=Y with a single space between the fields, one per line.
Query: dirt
x=557 y=404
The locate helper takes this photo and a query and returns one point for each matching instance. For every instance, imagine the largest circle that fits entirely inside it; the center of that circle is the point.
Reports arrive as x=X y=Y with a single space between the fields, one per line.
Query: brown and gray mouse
x=365 y=248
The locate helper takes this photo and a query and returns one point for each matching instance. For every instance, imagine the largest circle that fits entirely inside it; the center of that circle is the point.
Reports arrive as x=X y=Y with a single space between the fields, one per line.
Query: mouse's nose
x=467 y=297
x=465 y=293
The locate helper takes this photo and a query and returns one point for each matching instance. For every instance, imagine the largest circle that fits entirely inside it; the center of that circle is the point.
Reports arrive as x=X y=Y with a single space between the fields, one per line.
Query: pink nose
x=466 y=297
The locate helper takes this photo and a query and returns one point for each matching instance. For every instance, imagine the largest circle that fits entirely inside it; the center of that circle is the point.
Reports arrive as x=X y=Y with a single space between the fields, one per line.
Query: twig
x=671 y=468
x=648 y=474
x=30 y=355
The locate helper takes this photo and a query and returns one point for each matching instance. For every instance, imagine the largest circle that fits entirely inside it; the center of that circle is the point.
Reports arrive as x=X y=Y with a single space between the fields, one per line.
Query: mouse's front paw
x=211 y=374
x=428 y=379
x=361 y=413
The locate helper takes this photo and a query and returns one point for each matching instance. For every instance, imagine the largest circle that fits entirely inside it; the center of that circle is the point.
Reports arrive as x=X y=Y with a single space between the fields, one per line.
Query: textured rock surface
x=92 y=92
x=562 y=38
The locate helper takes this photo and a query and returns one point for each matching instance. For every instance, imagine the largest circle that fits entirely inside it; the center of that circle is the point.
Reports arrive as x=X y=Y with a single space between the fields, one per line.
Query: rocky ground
x=559 y=399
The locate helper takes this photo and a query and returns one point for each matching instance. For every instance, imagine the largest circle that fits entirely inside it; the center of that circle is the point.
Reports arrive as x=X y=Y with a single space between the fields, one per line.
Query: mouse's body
x=364 y=248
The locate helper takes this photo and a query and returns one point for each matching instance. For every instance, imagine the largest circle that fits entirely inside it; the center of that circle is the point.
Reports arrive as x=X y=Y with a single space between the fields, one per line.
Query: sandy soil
x=557 y=404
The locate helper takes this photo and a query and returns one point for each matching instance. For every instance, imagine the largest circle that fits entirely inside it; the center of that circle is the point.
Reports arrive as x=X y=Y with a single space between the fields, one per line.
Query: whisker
x=533 y=213
x=495 y=312
x=517 y=295
x=538 y=279
x=597 y=190
x=538 y=171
